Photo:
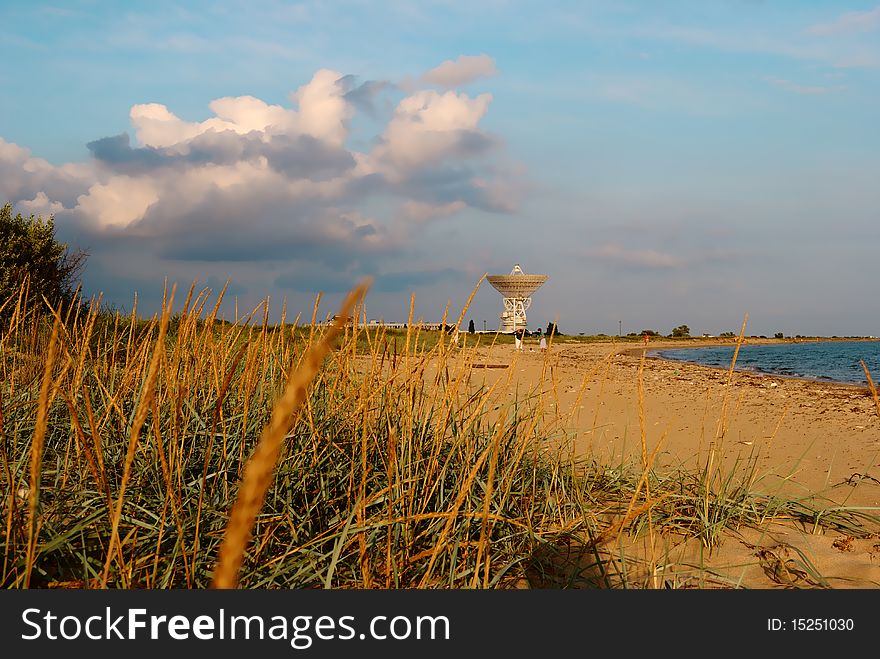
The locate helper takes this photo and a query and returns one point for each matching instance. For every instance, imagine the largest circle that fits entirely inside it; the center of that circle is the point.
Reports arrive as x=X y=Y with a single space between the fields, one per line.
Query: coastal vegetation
x=147 y=452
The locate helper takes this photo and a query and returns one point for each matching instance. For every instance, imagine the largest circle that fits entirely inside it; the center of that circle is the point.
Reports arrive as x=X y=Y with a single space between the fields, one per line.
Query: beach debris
x=781 y=569
x=856 y=476
x=844 y=544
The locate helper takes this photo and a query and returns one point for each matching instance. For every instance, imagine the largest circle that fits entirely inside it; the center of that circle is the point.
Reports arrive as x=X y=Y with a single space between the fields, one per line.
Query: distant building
x=378 y=322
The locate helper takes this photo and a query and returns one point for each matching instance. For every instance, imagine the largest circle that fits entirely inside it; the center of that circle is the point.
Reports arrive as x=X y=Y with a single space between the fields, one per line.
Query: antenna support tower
x=516 y=289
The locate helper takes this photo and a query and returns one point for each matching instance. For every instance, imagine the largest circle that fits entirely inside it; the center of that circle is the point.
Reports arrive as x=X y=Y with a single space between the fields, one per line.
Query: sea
x=829 y=361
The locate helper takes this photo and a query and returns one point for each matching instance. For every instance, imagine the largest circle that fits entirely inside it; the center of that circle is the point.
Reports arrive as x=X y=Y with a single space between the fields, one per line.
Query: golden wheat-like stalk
x=259 y=470
x=871 y=386
x=139 y=418
x=37 y=449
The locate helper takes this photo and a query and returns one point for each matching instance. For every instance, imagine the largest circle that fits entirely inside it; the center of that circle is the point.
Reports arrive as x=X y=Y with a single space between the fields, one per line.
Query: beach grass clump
x=122 y=455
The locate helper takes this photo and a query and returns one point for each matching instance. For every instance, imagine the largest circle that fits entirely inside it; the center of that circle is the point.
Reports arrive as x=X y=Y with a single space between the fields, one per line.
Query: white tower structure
x=517 y=289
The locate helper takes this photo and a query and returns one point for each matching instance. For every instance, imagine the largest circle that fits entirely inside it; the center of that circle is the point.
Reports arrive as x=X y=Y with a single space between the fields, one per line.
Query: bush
x=681 y=331
x=29 y=252
x=553 y=330
x=779 y=335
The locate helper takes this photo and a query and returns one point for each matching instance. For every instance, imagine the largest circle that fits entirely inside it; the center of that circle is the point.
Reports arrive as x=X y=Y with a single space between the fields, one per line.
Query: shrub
x=29 y=252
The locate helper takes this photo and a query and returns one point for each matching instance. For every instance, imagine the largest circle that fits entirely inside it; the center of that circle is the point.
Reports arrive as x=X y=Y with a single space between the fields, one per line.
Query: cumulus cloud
x=260 y=183
x=322 y=114
x=428 y=127
x=24 y=177
x=464 y=69
x=118 y=202
x=40 y=205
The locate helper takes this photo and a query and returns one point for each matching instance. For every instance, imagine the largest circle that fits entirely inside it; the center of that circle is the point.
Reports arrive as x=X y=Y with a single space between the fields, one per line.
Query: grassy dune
x=143 y=453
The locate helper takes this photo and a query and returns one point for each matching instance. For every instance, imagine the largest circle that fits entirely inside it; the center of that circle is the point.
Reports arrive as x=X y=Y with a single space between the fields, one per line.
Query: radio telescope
x=517 y=289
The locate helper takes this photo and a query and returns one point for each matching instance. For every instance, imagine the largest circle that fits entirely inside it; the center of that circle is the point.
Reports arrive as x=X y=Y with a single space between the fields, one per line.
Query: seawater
x=831 y=361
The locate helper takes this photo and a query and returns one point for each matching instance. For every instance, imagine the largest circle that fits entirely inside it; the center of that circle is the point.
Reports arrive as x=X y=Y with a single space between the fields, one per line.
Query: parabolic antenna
x=517 y=289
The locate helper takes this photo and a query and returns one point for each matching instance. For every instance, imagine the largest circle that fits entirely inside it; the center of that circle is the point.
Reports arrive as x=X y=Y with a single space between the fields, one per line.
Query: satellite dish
x=517 y=289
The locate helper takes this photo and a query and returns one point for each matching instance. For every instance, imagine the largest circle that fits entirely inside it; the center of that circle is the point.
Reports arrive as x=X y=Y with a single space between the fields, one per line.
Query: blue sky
x=664 y=162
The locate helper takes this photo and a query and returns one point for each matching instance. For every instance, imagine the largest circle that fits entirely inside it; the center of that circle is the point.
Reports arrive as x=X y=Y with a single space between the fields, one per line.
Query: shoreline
x=795 y=441
x=637 y=352
x=811 y=436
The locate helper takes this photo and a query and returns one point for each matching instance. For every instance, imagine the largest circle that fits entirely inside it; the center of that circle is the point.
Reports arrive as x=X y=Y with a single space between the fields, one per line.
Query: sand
x=810 y=440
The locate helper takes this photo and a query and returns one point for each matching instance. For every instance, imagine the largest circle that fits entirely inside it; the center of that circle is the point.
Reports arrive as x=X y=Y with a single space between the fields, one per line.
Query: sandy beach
x=808 y=439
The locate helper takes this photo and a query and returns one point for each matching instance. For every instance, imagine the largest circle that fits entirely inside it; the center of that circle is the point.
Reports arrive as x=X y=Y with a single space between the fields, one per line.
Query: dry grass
x=186 y=451
x=258 y=472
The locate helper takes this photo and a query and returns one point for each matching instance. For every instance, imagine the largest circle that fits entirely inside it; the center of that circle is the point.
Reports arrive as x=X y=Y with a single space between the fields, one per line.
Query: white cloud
x=119 y=202
x=323 y=109
x=805 y=90
x=40 y=205
x=849 y=23
x=264 y=183
x=323 y=113
x=428 y=126
x=461 y=71
x=156 y=126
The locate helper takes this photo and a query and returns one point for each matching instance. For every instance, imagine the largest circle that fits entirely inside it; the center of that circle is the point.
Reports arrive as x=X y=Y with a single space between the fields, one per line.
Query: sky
x=665 y=163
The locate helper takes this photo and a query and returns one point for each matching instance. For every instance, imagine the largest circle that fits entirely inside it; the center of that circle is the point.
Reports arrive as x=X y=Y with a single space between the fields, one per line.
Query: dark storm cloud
x=295 y=156
x=303 y=156
x=313 y=281
x=363 y=95
x=256 y=223
x=408 y=280
x=443 y=185
x=472 y=143
x=116 y=152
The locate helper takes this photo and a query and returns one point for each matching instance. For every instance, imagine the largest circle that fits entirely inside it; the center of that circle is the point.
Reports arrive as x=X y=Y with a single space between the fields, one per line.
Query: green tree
x=552 y=329
x=681 y=331
x=30 y=252
x=471 y=328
